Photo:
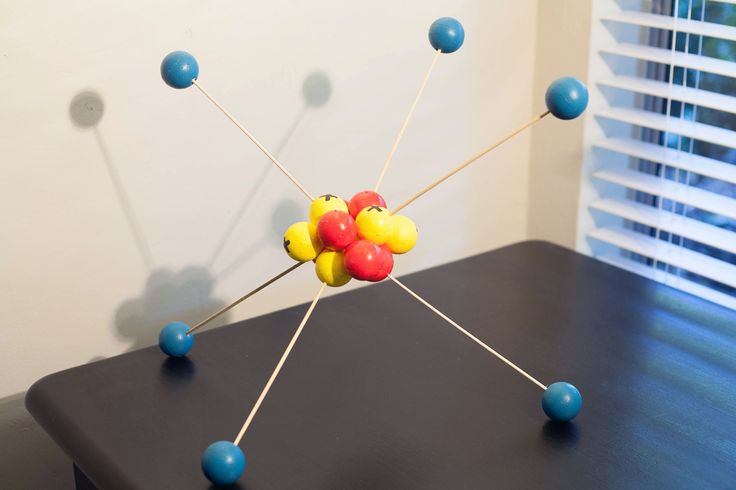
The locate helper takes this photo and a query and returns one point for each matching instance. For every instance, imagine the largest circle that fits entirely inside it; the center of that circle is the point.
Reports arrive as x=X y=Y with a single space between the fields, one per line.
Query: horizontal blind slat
x=669 y=279
x=702 y=98
x=667 y=56
x=675 y=255
x=708 y=167
x=660 y=122
x=692 y=229
x=671 y=23
x=658 y=186
x=621 y=71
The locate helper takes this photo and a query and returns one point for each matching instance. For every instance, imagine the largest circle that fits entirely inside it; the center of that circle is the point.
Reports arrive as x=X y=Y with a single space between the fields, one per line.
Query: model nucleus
x=360 y=248
x=359 y=239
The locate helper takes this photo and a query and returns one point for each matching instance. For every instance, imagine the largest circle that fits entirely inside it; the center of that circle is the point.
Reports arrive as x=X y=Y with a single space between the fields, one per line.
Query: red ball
x=388 y=262
x=336 y=229
x=364 y=199
x=367 y=261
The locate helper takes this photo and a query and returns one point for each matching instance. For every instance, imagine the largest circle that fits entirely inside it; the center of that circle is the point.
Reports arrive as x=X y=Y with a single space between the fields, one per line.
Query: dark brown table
x=380 y=393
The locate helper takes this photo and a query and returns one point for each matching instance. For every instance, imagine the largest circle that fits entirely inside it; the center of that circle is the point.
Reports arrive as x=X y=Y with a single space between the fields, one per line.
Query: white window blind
x=658 y=191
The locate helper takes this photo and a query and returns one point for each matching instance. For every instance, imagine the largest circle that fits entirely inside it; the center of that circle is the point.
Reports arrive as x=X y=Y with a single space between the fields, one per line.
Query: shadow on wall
x=316 y=92
x=186 y=295
x=85 y=111
x=33 y=460
x=284 y=214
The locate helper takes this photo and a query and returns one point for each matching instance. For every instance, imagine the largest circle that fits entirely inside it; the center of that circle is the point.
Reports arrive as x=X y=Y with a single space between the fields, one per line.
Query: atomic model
x=358 y=238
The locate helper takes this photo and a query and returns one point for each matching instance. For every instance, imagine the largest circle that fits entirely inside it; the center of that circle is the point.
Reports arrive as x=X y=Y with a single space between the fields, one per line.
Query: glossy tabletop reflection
x=380 y=393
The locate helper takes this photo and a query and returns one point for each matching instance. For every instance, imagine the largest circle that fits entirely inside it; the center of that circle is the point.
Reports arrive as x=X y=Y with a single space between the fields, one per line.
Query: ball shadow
x=168 y=296
x=560 y=434
x=234 y=486
x=86 y=109
x=286 y=213
x=316 y=89
x=178 y=369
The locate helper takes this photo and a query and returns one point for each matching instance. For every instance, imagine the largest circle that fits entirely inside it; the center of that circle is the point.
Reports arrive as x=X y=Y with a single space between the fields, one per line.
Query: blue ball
x=561 y=401
x=174 y=341
x=566 y=98
x=446 y=34
x=223 y=463
x=178 y=69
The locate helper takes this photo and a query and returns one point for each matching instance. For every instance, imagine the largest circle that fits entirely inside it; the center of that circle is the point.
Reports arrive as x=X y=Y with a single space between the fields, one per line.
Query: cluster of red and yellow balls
x=349 y=240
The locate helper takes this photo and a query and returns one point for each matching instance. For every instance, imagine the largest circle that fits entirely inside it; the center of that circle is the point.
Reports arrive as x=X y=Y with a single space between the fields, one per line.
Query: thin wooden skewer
x=278 y=366
x=470 y=335
x=469 y=161
x=252 y=138
x=406 y=121
x=243 y=298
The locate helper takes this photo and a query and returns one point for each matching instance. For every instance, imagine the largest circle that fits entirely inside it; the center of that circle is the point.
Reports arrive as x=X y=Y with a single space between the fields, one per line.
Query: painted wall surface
x=127 y=204
x=563 y=44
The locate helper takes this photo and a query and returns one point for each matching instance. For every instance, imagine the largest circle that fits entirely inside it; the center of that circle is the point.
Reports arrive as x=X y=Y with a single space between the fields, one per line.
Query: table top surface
x=380 y=393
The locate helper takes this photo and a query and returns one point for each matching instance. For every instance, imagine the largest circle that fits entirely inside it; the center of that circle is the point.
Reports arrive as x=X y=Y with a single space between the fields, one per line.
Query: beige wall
x=562 y=46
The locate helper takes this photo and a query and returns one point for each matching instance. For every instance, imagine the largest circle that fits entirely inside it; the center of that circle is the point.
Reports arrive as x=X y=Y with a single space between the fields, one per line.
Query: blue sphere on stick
x=446 y=34
x=178 y=69
x=223 y=463
x=561 y=401
x=174 y=341
x=566 y=98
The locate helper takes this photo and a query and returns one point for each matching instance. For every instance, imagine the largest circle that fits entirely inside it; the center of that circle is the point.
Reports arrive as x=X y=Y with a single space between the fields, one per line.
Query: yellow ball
x=330 y=269
x=301 y=241
x=404 y=236
x=375 y=224
x=324 y=204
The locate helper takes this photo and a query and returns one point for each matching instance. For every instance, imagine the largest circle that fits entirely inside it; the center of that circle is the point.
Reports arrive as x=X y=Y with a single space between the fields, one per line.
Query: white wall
x=109 y=230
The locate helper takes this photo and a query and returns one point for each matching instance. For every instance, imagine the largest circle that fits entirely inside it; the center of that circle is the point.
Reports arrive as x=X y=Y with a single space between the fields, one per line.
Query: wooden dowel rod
x=252 y=138
x=406 y=121
x=243 y=298
x=470 y=335
x=278 y=367
x=469 y=161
